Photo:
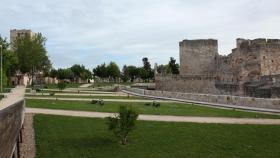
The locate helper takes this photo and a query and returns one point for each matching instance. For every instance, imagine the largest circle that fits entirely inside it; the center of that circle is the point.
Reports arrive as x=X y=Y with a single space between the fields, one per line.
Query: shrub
x=156 y=104
x=99 y=102
x=123 y=123
x=61 y=85
x=52 y=93
x=94 y=102
x=147 y=104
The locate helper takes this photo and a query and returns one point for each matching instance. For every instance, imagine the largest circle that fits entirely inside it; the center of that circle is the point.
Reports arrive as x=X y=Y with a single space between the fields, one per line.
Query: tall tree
x=173 y=66
x=10 y=61
x=146 y=72
x=125 y=74
x=113 y=70
x=32 y=55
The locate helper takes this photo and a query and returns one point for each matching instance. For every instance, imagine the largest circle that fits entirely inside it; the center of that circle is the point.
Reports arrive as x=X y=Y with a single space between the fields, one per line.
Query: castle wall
x=239 y=73
x=185 y=83
x=198 y=56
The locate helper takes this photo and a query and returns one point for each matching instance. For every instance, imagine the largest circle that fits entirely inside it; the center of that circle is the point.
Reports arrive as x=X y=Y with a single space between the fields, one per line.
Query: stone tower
x=198 y=56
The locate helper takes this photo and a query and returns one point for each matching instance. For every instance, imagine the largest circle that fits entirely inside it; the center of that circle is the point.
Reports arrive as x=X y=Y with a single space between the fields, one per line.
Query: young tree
x=61 y=85
x=123 y=123
x=32 y=55
x=173 y=66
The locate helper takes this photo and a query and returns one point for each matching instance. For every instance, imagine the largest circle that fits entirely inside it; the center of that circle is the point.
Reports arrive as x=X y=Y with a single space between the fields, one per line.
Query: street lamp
x=1 y=69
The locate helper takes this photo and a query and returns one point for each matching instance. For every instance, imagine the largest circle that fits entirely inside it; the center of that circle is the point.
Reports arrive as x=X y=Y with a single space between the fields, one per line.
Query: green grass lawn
x=87 y=97
x=74 y=137
x=178 y=109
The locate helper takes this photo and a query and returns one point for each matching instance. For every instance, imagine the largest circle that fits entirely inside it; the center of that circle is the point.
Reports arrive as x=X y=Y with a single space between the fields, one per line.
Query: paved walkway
x=15 y=96
x=81 y=94
x=27 y=147
x=85 y=85
x=163 y=118
x=110 y=100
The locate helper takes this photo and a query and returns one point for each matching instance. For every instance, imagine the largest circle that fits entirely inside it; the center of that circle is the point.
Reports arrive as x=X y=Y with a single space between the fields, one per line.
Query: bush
x=61 y=85
x=94 y=102
x=123 y=123
x=99 y=102
x=147 y=104
x=52 y=93
x=156 y=104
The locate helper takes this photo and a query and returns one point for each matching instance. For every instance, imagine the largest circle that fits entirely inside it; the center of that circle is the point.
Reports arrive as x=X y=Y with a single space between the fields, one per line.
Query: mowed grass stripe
x=177 y=109
x=73 y=137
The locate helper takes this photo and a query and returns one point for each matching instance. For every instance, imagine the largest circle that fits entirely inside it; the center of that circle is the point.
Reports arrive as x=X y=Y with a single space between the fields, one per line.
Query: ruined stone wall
x=238 y=73
x=186 y=83
x=198 y=56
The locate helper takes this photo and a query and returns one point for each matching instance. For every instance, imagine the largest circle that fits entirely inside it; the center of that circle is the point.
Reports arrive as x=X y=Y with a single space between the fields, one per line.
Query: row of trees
x=74 y=73
x=29 y=55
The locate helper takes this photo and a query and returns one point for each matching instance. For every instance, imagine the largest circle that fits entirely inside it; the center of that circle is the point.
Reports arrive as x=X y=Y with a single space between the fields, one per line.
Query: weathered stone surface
x=252 y=69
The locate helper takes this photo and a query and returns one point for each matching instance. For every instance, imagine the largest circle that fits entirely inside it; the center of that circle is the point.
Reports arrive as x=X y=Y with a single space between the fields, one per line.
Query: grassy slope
x=87 y=97
x=165 y=108
x=70 y=137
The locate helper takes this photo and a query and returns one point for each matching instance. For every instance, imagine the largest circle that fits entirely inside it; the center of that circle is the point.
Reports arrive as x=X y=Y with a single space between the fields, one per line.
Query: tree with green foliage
x=10 y=61
x=123 y=123
x=133 y=72
x=113 y=71
x=32 y=55
x=61 y=85
x=173 y=66
x=125 y=74
x=63 y=74
x=146 y=73
x=53 y=73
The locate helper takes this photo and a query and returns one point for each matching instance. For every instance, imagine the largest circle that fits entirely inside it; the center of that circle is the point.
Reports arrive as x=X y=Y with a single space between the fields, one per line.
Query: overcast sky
x=91 y=32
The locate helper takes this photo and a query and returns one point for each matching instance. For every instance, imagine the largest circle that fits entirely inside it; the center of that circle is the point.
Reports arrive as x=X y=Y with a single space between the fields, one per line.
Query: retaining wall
x=11 y=121
x=267 y=103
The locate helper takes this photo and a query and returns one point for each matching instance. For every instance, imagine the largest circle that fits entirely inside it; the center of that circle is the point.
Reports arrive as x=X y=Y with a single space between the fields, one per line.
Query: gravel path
x=85 y=85
x=81 y=94
x=163 y=118
x=27 y=147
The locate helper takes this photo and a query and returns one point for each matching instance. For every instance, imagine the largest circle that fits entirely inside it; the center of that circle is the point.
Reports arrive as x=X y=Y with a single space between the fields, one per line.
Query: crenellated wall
x=238 y=73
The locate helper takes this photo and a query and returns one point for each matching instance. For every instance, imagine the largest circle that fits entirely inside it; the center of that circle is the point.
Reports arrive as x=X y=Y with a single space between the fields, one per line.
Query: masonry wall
x=11 y=120
x=198 y=56
x=186 y=83
x=216 y=99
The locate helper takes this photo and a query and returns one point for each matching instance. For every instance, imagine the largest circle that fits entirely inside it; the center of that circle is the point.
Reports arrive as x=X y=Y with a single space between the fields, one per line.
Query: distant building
x=16 y=34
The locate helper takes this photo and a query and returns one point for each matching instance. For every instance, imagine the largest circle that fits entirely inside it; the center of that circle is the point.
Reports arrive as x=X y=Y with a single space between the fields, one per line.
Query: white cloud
x=90 y=32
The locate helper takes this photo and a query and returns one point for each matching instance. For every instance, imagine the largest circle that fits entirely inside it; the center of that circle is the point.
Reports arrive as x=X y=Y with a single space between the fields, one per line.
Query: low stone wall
x=11 y=120
x=216 y=99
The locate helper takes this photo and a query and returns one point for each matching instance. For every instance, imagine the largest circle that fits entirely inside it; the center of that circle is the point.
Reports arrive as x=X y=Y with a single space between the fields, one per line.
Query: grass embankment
x=86 y=97
x=73 y=137
x=178 y=109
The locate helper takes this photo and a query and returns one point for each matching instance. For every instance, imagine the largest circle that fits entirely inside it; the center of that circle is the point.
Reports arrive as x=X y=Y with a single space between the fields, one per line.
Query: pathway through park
x=163 y=118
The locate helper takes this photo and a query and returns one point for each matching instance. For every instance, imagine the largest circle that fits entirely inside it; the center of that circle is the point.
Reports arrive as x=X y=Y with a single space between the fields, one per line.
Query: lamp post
x=1 y=69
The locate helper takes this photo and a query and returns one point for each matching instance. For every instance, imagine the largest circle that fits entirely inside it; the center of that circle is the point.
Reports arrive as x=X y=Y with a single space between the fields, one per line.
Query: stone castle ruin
x=252 y=69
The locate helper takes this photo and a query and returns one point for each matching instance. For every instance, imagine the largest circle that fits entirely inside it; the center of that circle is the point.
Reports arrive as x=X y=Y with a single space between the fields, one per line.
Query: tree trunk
x=124 y=140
